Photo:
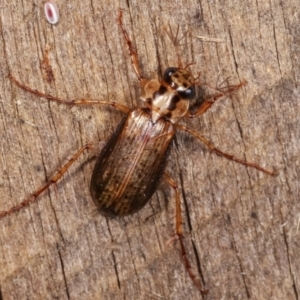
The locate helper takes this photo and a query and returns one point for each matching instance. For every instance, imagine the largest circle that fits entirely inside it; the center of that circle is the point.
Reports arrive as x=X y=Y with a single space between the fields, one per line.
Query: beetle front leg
x=222 y=92
x=179 y=234
x=132 y=51
x=54 y=179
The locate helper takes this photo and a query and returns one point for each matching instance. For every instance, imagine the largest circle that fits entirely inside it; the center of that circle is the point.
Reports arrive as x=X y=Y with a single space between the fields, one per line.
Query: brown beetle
x=132 y=163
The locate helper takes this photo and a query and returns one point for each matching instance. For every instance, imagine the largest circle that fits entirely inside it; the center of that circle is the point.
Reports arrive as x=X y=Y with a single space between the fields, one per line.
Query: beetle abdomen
x=131 y=164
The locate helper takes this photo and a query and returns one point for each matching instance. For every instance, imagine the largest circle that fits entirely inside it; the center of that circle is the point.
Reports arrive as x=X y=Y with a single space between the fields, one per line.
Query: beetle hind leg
x=179 y=234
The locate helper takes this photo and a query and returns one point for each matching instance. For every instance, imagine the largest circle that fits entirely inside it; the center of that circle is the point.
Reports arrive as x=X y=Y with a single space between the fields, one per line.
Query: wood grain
x=242 y=226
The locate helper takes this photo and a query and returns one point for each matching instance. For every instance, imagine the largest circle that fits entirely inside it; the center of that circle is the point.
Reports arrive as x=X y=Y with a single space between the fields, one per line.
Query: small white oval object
x=51 y=12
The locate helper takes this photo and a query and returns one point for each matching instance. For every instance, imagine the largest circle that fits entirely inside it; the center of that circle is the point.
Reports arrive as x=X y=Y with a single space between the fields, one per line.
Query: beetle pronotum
x=132 y=163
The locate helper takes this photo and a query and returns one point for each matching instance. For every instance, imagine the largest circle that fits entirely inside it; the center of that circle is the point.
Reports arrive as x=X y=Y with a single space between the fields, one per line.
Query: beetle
x=132 y=163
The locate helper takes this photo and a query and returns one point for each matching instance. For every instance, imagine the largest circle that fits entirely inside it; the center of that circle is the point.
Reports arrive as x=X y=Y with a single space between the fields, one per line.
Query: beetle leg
x=132 y=51
x=179 y=234
x=50 y=182
x=119 y=106
x=224 y=154
x=207 y=103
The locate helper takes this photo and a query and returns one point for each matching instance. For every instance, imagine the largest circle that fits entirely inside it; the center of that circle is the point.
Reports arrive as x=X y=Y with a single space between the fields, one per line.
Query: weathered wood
x=242 y=226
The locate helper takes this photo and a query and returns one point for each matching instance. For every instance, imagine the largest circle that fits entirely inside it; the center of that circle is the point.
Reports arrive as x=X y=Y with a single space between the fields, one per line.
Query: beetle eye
x=168 y=73
x=188 y=93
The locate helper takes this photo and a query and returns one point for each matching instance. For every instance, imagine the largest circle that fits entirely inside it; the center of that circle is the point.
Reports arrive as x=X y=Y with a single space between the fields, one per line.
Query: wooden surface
x=242 y=226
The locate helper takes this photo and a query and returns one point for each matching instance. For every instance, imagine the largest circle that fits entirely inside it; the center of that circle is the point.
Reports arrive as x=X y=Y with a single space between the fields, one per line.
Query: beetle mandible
x=132 y=163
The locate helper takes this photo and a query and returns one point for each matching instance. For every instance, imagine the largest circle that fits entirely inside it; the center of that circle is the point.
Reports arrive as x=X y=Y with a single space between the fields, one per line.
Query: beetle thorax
x=170 y=98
